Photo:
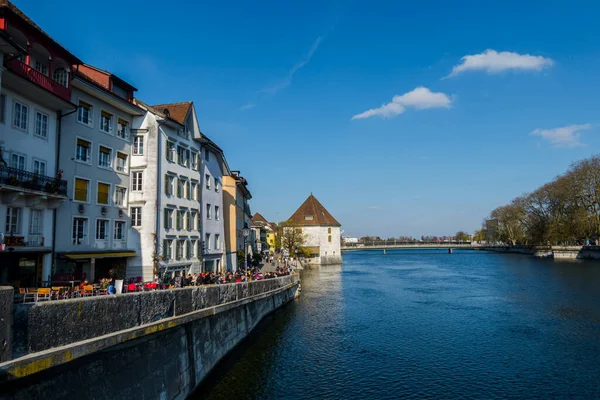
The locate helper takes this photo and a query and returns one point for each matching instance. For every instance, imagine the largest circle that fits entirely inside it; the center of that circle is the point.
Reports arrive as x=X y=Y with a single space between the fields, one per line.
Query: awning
x=101 y=255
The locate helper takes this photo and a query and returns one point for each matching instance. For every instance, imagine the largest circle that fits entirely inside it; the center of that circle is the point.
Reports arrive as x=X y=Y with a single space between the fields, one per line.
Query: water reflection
x=468 y=325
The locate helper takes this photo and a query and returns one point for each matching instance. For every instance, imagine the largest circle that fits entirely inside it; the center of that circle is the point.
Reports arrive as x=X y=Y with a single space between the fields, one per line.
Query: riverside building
x=168 y=204
x=35 y=80
x=97 y=144
x=237 y=214
x=321 y=231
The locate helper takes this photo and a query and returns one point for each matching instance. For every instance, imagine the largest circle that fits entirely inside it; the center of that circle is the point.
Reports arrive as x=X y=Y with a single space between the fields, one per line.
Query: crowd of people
x=181 y=279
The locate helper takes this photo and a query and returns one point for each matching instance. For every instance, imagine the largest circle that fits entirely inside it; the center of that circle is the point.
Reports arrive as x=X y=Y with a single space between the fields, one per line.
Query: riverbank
x=556 y=252
x=155 y=345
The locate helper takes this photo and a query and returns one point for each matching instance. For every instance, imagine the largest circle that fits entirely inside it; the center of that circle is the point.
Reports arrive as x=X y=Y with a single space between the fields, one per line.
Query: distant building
x=322 y=232
x=272 y=237
x=349 y=240
x=261 y=227
x=235 y=213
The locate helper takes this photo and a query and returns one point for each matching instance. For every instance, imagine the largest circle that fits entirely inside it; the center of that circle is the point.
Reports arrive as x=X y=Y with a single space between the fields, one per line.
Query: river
x=426 y=324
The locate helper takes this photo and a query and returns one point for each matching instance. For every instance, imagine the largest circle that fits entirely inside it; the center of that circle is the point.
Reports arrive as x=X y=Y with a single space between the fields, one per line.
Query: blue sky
x=277 y=85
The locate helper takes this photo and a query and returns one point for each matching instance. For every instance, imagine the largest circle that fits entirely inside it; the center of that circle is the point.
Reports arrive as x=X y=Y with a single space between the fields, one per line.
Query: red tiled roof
x=102 y=78
x=177 y=111
x=259 y=219
x=312 y=213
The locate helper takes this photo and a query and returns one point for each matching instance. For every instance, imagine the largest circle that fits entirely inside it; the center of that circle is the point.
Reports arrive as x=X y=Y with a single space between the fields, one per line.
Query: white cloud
x=419 y=98
x=372 y=207
x=566 y=136
x=247 y=106
x=494 y=62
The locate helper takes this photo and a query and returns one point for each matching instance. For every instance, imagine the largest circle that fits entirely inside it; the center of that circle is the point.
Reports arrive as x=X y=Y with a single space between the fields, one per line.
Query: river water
x=426 y=324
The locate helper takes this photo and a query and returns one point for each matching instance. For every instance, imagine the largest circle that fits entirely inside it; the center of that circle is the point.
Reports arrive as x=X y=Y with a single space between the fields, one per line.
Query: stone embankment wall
x=151 y=345
x=6 y=317
x=556 y=252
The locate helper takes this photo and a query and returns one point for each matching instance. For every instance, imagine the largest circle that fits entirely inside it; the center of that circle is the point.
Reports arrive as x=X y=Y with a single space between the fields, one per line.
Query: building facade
x=235 y=202
x=97 y=144
x=35 y=81
x=321 y=232
x=169 y=203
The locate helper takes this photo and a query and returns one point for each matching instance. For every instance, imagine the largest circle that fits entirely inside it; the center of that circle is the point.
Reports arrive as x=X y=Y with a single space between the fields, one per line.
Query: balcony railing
x=27 y=72
x=16 y=240
x=28 y=180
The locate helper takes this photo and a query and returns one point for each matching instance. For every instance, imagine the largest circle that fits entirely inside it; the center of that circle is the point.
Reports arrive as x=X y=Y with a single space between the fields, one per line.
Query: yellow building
x=236 y=215
x=271 y=236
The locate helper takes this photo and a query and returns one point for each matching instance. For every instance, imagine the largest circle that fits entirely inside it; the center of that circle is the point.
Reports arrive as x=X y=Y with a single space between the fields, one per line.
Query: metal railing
x=35 y=76
x=28 y=180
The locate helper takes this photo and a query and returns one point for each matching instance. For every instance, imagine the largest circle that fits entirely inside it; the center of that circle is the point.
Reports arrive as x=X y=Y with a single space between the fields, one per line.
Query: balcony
x=29 y=73
x=12 y=240
x=28 y=180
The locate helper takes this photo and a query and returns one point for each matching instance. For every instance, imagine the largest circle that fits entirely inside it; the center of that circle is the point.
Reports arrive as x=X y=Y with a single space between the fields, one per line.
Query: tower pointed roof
x=312 y=213
x=258 y=219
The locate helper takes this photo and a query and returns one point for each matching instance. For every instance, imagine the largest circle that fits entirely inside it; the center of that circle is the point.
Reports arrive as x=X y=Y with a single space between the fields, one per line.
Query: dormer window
x=308 y=218
x=61 y=75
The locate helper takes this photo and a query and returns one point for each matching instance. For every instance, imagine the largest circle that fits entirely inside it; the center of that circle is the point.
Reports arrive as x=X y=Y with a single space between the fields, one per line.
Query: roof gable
x=312 y=213
x=177 y=111
x=259 y=219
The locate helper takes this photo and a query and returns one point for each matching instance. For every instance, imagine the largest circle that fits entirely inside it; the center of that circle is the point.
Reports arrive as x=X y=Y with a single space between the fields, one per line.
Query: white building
x=97 y=143
x=35 y=81
x=349 y=240
x=321 y=232
x=168 y=206
x=214 y=167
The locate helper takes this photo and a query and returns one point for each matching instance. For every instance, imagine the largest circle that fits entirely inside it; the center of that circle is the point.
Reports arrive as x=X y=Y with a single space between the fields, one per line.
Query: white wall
x=330 y=252
x=212 y=168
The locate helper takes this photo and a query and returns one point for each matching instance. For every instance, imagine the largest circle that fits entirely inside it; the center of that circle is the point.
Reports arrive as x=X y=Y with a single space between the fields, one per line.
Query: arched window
x=328 y=230
x=61 y=75
x=329 y=239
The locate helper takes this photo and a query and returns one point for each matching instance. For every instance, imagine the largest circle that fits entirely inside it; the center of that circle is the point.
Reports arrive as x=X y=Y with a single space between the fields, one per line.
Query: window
x=180 y=188
x=103 y=190
x=168 y=185
x=181 y=155
x=187 y=158
x=79 y=230
x=198 y=187
x=194 y=191
x=207 y=241
x=41 y=67
x=328 y=230
x=84 y=113
x=198 y=248
x=217 y=185
x=83 y=151
x=206 y=154
x=217 y=213
x=208 y=211
x=329 y=238
x=41 y=125
x=188 y=250
x=207 y=181
x=193 y=248
x=119 y=230
x=35 y=222
x=104 y=157
x=121 y=162
x=39 y=167
x=2 y=107
x=170 y=151
x=105 y=122
x=188 y=191
x=195 y=165
x=179 y=250
x=138 y=145
x=217 y=241
x=179 y=219
x=20 y=116
x=198 y=222
x=168 y=218
x=194 y=217
x=81 y=189
x=17 y=161
x=101 y=229
x=122 y=127
x=120 y=193
x=61 y=75
x=12 y=220
x=167 y=249
x=136 y=181
x=136 y=216
x=188 y=221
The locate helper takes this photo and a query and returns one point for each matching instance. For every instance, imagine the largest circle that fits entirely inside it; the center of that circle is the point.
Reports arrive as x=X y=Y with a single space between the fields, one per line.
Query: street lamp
x=246 y=233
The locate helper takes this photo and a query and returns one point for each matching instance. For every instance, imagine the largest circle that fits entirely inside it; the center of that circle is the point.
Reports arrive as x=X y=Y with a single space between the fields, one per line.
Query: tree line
x=565 y=211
